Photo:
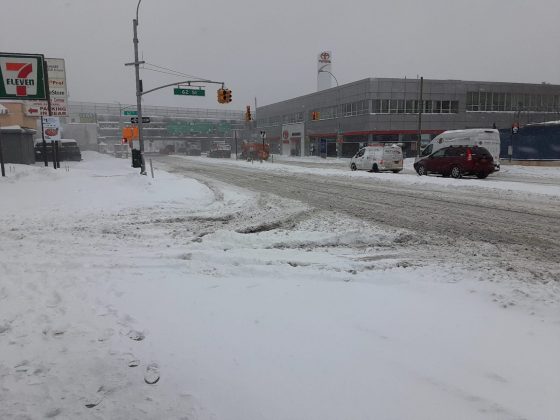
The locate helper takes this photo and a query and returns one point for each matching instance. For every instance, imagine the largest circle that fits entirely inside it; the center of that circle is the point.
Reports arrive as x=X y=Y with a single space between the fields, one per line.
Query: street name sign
x=145 y=120
x=189 y=92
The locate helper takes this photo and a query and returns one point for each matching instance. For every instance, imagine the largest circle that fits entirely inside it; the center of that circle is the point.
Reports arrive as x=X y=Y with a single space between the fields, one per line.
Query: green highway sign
x=130 y=112
x=189 y=92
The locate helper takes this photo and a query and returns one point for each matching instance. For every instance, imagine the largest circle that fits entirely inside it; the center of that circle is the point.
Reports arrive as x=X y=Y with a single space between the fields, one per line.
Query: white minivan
x=483 y=137
x=378 y=158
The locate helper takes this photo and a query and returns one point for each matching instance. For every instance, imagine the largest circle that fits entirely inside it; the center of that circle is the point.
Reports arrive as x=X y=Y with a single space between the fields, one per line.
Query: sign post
x=263 y=137
x=2 y=158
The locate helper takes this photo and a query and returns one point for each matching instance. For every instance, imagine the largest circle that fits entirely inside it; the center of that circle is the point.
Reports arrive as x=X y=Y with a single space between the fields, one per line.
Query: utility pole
x=420 y=106
x=138 y=90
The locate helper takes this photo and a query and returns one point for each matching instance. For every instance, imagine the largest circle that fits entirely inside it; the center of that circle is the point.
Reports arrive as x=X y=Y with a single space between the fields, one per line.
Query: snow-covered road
x=520 y=220
x=253 y=306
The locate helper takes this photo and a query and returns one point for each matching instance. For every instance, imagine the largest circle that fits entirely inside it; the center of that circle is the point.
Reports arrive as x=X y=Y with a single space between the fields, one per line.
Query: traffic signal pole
x=138 y=91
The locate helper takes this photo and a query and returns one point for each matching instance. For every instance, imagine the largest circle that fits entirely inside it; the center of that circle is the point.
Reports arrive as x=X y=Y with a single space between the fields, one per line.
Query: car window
x=360 y=153
x=427 y=150
x=454 y=151
x=439 y=153
x=480 y=151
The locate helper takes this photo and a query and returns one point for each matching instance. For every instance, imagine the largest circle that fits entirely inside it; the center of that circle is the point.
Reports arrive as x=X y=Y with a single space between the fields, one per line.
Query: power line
x=178 y=73
x=160 y=71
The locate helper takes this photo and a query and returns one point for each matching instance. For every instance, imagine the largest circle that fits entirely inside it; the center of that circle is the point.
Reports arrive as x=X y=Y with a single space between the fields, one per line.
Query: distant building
x=170 y=128
x=341 y=119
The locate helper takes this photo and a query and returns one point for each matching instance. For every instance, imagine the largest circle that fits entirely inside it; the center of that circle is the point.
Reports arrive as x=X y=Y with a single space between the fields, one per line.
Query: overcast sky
x=268 y=49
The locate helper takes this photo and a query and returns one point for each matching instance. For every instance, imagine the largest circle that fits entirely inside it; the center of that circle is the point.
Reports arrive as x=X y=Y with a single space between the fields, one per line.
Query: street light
x=339 y=129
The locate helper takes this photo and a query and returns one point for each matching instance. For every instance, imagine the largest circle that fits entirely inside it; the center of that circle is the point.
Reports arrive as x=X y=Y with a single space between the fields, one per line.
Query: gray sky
x=268 y=49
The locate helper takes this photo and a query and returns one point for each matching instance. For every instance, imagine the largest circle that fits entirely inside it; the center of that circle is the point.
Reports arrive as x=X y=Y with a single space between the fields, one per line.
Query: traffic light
x=315 y=115
x=248 y=116
x=224 y=96
x=221 y=96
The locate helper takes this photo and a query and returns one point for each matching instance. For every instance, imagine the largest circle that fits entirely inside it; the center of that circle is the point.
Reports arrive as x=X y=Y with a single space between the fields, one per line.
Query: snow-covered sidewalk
x=247 y=306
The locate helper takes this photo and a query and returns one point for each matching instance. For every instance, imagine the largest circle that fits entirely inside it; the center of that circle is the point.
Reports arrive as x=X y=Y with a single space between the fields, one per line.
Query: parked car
x=456 y=161
x=378 y=158
x=68 y=149
x=219 y=149
x=193 y=149
x=167 y=150
x=481 y=137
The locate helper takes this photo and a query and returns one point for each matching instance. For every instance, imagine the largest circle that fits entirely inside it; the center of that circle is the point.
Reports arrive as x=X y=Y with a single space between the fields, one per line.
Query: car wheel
x=421 y=170
x=353 y=167
x=455 y=172
x=482 y=175
x=375 y=168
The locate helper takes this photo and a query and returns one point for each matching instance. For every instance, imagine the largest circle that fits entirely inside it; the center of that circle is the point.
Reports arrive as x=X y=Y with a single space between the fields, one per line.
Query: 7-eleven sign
x=22 y=76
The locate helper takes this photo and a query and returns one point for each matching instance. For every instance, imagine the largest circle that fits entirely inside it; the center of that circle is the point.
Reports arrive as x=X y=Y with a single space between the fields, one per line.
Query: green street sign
x=189 y=92
x=130 y=112
x=22 y=76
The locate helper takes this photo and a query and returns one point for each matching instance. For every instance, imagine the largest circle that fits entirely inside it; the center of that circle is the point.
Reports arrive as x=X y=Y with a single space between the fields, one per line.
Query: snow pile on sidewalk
x=125 y=297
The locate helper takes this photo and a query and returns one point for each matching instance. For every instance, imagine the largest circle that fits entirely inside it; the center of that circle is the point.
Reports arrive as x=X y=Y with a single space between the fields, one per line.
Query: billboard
x=22 y=76
x=56 y=72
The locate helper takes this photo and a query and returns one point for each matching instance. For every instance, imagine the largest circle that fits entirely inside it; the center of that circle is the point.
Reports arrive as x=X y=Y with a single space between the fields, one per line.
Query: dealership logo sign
x=22 y=76
x=325 y=57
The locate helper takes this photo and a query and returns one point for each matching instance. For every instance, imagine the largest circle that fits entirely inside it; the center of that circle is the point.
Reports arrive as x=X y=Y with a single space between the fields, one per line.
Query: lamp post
x=339 y=129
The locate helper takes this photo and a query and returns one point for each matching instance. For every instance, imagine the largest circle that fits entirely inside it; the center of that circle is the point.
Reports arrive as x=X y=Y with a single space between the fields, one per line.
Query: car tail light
x=469 y=154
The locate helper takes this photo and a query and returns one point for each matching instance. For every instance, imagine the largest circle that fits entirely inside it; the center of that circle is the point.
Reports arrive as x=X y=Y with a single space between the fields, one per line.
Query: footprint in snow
x=97 y=398
x=136 y=335
x=134 y=363
x=152 y=374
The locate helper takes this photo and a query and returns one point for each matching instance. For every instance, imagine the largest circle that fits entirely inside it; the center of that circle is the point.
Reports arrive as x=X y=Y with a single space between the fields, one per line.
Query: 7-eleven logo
x=19 y=75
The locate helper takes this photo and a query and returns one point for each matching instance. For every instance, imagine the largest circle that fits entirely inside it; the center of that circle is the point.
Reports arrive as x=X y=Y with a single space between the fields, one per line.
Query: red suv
x=456 y=161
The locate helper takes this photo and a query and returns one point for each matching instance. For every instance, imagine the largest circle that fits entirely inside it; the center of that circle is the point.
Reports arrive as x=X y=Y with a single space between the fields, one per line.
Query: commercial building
x=338 y=121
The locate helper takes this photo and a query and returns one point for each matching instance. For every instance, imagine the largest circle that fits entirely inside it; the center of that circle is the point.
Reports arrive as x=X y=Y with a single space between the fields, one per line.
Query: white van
x=484 y=137
x=378 y=158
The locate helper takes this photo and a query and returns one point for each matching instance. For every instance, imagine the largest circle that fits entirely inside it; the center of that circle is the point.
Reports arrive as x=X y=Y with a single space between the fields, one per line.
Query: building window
x=410 y=107
x=363 y=107
x=454 y=107
x=511 y=102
